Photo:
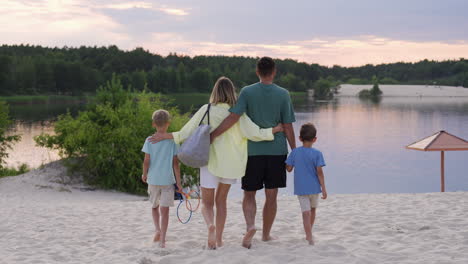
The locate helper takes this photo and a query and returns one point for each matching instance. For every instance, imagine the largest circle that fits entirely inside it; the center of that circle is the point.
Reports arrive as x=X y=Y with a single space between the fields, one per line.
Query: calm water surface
x=363 y=143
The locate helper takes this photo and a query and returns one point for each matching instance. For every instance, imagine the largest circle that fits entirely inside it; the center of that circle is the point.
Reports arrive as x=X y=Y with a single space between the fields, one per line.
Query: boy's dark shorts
x=265 y=171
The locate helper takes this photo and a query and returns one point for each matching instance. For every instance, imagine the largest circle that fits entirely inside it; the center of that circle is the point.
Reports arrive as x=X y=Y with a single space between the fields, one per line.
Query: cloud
x=146 y=5
x=55 y=22
x=346 y=52
x=227 y=28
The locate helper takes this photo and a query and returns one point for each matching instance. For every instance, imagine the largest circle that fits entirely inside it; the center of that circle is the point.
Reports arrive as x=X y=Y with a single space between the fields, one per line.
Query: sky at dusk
x=342 y=32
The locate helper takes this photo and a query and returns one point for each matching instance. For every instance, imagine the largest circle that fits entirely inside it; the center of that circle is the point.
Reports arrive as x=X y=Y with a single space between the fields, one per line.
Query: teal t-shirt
x=161 y=154
x=267 y=105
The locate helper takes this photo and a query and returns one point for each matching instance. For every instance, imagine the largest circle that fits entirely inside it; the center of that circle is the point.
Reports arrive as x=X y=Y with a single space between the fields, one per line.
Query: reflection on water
x=26 y=151
x=363 y=144
x=32 y=111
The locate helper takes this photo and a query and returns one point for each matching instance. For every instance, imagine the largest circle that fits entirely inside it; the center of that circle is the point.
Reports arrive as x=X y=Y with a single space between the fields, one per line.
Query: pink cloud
x=346 y=52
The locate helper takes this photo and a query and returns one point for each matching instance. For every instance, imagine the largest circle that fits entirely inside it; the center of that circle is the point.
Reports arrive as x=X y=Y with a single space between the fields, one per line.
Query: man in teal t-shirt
x=267 y=105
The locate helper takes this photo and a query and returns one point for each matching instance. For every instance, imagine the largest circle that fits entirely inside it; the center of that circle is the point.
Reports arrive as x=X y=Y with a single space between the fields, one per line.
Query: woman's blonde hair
x=224 y=92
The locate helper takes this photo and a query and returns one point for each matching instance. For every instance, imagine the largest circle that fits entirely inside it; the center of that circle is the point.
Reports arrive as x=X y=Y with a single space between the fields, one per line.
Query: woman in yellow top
x=228 y=154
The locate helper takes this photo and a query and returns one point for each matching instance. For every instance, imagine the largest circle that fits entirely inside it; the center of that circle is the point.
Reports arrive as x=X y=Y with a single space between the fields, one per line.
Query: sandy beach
x=45 y=221
x=406 y=90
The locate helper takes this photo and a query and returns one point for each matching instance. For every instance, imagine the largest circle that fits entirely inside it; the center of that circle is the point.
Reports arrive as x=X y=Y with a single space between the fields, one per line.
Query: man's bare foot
x=269 y=238
x=247 y=241
x=157 y=236
x=162 y=244
x=211 y=237
x=310 y=240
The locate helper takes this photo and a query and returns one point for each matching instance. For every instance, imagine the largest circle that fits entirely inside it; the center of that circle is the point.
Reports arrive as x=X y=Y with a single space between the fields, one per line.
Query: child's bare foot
x=162 y=244
x=219 y=243
x=211 y=237
x=247 y=241
x=157 y=236
x=269 y=238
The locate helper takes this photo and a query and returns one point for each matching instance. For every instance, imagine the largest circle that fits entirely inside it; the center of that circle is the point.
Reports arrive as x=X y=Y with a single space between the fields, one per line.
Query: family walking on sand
x=248 y=142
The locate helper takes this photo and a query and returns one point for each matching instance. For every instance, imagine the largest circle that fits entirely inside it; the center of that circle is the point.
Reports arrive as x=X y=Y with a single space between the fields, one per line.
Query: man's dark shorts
x=265 y=171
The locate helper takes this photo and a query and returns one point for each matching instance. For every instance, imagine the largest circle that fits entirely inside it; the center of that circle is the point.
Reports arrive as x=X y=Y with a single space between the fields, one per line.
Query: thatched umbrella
x=440 y=141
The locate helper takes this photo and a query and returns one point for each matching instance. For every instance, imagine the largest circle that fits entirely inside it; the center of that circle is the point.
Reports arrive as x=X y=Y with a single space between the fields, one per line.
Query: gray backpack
x=195 y=151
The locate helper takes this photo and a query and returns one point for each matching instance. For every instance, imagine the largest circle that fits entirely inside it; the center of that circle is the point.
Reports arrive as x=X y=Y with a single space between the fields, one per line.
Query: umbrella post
x=442 y=171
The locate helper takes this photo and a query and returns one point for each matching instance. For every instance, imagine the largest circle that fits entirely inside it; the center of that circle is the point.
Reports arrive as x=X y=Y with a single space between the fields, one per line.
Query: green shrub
x=4 y=172
x=6 y=141
x=364 y=93
x=373 y=93
x=322 y=88
x=107 y=138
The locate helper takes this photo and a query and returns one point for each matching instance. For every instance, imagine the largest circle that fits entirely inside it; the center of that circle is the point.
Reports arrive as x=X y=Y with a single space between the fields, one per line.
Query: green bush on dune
x=6 y=143
x=106 y=139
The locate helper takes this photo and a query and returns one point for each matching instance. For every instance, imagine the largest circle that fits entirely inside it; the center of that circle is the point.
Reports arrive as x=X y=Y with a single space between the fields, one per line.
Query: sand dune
x=407 y=90
x=45 y=221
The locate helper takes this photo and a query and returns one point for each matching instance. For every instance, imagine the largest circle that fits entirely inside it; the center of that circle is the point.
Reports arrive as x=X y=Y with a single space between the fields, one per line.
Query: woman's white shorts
x=209 y=181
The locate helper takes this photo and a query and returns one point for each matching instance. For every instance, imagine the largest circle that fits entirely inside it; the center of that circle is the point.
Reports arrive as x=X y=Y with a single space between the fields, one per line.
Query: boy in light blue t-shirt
x=159 y=167
x=309 y=181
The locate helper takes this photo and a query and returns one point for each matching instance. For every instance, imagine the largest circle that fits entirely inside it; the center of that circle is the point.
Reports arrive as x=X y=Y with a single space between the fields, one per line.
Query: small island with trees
x=374 y=93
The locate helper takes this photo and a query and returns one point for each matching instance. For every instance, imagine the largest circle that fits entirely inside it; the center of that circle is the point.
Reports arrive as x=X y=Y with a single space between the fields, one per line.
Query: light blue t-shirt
x=305 y=162
x=161 y=154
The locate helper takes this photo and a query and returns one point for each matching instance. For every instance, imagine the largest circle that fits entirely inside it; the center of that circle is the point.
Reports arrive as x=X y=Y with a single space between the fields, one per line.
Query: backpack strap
x=207 y=113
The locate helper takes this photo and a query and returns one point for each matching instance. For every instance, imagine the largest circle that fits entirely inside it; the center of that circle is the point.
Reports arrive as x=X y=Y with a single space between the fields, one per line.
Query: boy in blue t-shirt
x=308 y=176
x=159 y=167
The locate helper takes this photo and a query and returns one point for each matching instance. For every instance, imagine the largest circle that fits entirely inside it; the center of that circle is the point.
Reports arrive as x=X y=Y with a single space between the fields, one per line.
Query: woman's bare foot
x=269 y=238
x=157 y=236
x=310 y=240
x=211 y=237
x=162 y=244
x=247 y=241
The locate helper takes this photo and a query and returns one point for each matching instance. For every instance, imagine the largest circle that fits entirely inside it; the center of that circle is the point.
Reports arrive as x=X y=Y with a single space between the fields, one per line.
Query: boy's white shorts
x=308 y=202
x=161 y=195
x=209 y=181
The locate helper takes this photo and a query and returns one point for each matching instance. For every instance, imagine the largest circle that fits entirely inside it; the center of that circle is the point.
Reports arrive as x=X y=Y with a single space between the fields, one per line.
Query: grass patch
x=5 y=172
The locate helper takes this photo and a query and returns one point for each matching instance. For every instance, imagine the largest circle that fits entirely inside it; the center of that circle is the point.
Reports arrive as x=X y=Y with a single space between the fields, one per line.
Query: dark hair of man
x=265 y=66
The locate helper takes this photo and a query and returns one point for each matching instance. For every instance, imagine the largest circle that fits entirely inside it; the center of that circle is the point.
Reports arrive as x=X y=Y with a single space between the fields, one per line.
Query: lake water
x=363 y=143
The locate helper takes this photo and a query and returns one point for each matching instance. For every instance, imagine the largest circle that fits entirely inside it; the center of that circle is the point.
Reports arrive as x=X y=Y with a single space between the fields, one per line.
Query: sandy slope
x=42 y=221
x=407 y=90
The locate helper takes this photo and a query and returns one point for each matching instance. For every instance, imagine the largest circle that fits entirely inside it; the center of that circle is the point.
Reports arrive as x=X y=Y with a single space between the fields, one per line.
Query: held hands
x=144 y=178
x=179 y=188
x=278 y=128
